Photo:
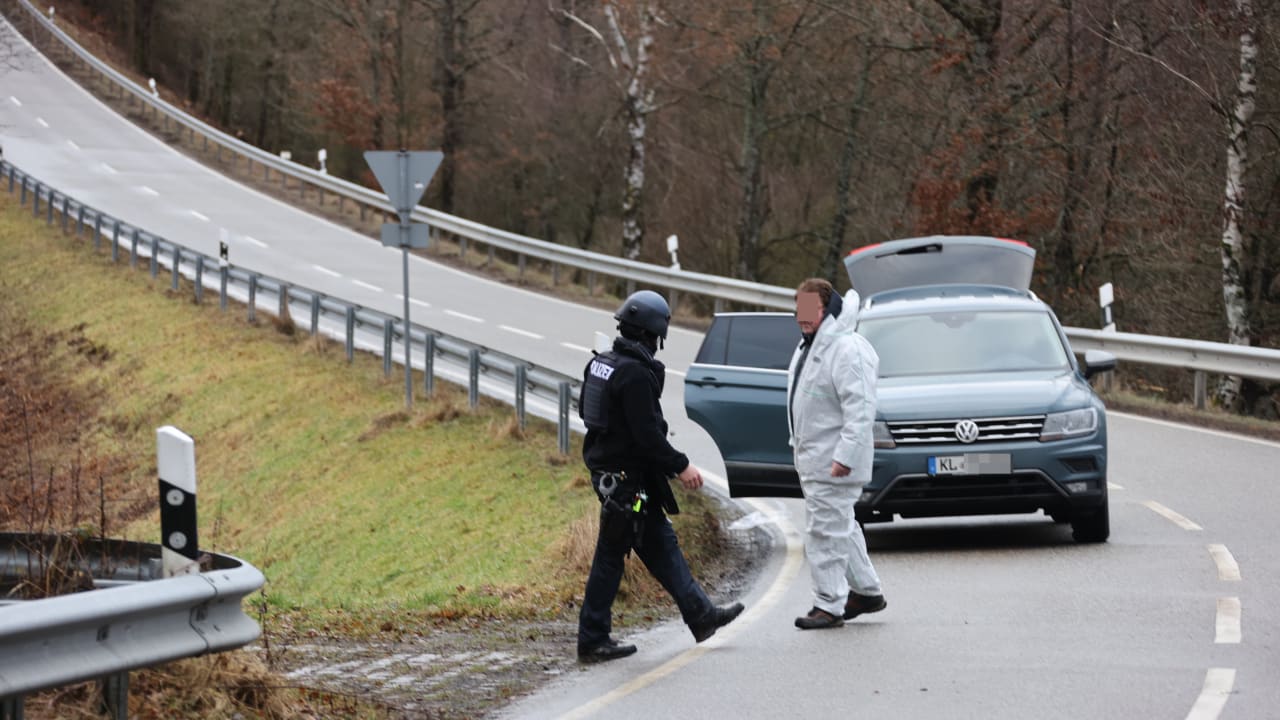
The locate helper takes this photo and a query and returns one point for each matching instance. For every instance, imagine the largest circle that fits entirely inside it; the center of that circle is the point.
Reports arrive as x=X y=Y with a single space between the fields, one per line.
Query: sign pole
x=404 y=176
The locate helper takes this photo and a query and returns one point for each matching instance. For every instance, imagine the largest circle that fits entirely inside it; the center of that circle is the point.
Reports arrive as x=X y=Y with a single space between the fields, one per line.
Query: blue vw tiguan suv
x=981 y=406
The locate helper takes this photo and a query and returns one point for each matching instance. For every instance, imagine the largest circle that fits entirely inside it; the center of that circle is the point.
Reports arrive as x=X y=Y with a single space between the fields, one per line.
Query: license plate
x=970 y=464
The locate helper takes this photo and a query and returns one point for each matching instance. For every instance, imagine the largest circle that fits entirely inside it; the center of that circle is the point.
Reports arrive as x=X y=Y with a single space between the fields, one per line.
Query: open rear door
x=940 y=260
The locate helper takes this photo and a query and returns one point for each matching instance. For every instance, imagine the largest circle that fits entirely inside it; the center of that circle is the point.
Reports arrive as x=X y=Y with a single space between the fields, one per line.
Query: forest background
x=1127 y=141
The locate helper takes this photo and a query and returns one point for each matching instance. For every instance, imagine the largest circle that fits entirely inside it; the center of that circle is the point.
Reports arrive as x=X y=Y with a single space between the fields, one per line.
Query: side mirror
x=1098 y=361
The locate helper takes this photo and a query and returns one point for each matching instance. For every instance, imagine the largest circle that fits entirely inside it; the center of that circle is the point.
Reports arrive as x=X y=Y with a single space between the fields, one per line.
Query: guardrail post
x=591 y=283
x=35 y=201
x=351 y=333
x=473 y=378
x=115 y=242
x=223 y=271
x=23 y=195
x=719 y=305
x=199 y=279
x=11 y=179
x=97 y=231
x=1201 y=389
x=489 y=261
x=282 y=303
x=177 y=260
x=555 y=274
x=115 y=695
x=521 y=375
x=462 y=247
x=11 y=708
x=253 y=297
x=48 y=215
x=155 y=257
x=133 y=248
x=80 y=222
x=520 y=264
x=429 y=364
x=388 y=329
x=631 y=287
x=562 y=429
x=66 y=206
x=315 y=313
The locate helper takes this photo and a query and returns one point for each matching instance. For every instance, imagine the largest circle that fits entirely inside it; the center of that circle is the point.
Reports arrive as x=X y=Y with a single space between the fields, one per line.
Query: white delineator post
x=1106 y=296
x=176 y=463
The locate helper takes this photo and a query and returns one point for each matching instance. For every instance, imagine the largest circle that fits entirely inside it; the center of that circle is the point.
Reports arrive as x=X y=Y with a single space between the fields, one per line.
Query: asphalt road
x=1176 y=616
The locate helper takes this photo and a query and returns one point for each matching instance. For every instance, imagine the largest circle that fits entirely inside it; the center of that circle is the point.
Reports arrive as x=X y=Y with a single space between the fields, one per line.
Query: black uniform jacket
x=636 y=438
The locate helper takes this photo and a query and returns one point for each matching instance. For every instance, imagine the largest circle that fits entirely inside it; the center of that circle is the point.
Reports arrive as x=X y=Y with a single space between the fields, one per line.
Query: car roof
x=950 y=298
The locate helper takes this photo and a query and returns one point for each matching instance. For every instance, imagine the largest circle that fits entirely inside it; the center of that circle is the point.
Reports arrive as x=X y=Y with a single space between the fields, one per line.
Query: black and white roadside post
x=176 y=462
x=1106 y=295
x=404 y=176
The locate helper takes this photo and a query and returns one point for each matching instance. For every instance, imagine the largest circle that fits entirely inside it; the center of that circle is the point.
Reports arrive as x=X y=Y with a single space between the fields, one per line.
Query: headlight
x=880 y=432
x=1069 y=424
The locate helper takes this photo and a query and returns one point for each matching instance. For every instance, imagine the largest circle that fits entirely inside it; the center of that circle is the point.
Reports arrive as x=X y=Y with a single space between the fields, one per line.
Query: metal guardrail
x=132 y=619
x=1201 y=356
x=487 y=371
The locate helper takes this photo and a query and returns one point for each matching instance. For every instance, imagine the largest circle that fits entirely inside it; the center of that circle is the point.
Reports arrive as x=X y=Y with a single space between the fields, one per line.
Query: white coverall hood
x=833 y=402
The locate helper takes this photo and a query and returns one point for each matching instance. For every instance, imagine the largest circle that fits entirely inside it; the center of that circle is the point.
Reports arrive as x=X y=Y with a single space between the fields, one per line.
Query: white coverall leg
x=834 y=545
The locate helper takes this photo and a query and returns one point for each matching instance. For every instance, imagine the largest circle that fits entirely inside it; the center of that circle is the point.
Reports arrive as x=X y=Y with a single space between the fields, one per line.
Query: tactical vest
x=594 y=405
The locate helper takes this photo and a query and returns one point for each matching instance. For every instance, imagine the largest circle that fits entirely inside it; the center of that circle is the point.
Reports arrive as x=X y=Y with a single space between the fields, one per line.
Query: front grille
x=943 y=432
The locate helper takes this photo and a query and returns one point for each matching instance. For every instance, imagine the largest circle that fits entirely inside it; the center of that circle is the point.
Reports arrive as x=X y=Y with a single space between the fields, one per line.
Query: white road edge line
x=255 y=241
x=1193 y=428
x=72 y=144
x=576 y=348
x=464 y=316
x=1113 y=486
x=675 y=372
x=327 y=271
x=42 y=121
x=1218 y=683
x=148 y=191
x=1227 y=624
x=367 y=286
x=109 y=169
x=1173 y=517
x=791 y=564
x=518 y=331
x=1227 y=567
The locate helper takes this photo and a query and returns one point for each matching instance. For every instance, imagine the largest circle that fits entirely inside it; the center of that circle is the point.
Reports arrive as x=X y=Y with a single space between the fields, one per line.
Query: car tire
x=1092 y=526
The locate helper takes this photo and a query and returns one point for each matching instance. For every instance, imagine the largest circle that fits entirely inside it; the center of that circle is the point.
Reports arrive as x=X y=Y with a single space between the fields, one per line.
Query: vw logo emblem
x=966 y=431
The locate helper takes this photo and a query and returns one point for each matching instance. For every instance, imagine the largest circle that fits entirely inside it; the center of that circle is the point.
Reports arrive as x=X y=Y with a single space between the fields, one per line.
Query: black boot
x=608 y=650
x=714 y=620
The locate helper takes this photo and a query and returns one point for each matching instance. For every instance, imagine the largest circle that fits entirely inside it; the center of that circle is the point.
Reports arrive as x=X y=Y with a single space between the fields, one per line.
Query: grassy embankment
x=307 y=468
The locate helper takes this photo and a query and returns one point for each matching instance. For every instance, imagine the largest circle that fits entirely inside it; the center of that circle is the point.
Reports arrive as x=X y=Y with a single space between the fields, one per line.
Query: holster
x=623 y=507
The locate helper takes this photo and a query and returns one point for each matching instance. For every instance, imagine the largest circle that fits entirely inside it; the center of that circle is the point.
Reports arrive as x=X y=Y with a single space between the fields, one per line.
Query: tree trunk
x=844 y=177
x=1234 y=297
x=451 y=86
x=639 y=103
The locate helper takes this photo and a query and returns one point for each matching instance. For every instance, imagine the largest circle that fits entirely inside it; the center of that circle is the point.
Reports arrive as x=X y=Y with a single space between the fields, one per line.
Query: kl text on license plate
x=970 y=464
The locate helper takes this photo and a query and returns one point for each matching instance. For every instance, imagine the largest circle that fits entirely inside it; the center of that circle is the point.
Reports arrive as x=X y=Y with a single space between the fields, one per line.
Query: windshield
x=965 y=342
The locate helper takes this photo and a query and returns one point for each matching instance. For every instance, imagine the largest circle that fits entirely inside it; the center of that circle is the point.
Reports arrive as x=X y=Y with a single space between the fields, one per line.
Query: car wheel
x=1092 y=526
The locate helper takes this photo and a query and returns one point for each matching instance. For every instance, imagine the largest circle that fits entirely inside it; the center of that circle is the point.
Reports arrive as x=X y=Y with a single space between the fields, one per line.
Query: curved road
x=1175 y=617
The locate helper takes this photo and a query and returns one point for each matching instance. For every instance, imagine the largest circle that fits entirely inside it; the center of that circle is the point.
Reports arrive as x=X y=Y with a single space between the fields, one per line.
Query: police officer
x=630 y=460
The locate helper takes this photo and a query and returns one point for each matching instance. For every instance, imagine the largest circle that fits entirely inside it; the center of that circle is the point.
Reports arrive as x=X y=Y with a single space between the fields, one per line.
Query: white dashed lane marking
x=1227 y=567
x=255 y=241
x=72 y=144
x=1113 y=486
x=108 y=168
x=1227 y=627
x=414 y=301
x=674 y=372
x=367 y=286
x=518 y=331
x=15 y=101
x=327 y=271
x=199 y=216
x=1218 y=683
x=148 y=191
x=1173 y=517
x=464 y=316
x=42 y=122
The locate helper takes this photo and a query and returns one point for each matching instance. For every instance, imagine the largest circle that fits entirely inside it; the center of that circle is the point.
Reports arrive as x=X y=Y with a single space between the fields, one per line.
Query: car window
x=762 y=341
x=715 y=342
x=965 y=342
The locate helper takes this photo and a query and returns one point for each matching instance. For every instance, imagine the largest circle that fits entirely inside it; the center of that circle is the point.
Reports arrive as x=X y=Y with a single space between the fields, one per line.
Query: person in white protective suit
x=831 y=408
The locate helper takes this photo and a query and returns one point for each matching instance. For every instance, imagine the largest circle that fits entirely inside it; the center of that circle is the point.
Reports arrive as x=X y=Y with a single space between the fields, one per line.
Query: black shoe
x=716 y=619
x=858 y=604
x=608 y=650
x=817 y=619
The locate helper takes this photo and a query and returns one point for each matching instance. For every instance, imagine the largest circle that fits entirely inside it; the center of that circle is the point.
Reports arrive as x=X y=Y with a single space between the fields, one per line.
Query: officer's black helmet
x=646 y=310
